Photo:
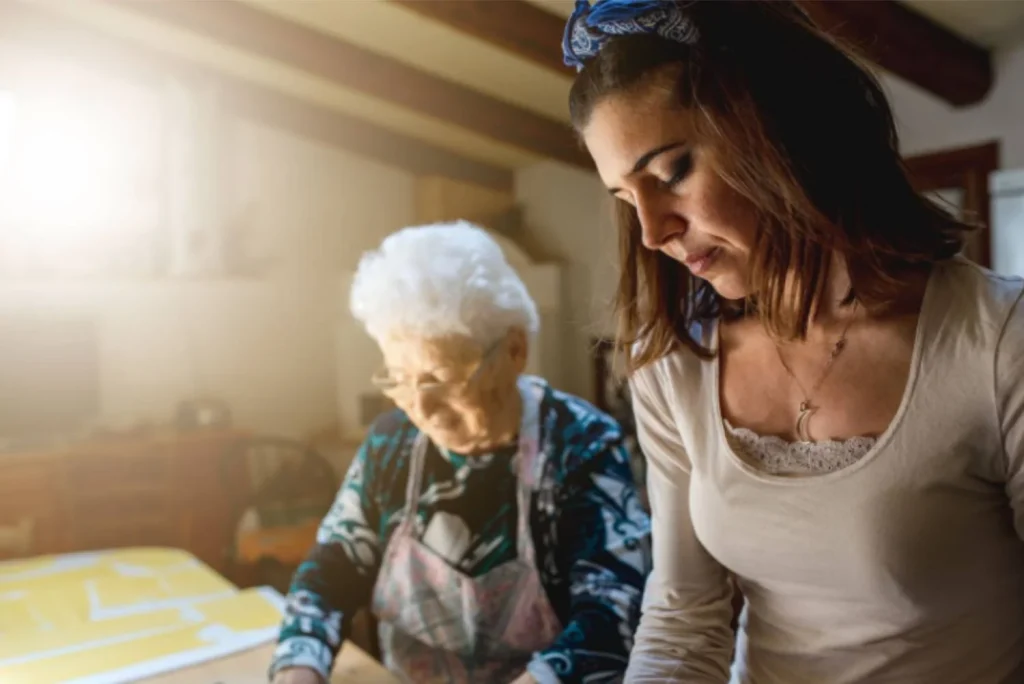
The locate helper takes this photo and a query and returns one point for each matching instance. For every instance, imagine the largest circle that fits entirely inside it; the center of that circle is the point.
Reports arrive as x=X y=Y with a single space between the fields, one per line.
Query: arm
x=684 y=634
x=603 y=538
x=336 y=578
x=1009 y=392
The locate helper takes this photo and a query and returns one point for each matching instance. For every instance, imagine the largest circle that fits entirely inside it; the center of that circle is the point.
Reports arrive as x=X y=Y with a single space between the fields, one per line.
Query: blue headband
x=589 y=27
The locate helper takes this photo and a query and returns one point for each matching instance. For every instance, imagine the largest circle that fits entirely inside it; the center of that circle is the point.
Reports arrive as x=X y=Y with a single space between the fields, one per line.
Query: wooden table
x=250 y=667
x=67 y=611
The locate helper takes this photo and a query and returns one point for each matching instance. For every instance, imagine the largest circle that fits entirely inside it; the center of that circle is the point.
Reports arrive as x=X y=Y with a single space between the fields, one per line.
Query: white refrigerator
x=1007 y=191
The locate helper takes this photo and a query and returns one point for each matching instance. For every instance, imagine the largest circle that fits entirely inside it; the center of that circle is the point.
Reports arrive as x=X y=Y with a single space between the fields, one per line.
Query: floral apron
x=440 y=625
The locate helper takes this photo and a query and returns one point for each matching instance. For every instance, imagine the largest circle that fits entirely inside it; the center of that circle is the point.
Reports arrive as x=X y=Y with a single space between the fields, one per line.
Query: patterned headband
x=589 y=27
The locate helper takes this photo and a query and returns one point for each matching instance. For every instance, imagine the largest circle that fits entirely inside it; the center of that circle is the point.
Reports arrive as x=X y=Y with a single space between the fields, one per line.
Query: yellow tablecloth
x=116 y=616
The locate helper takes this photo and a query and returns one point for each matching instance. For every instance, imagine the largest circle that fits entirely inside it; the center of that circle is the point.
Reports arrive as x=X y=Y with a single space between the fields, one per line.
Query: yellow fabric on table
x=116 y=616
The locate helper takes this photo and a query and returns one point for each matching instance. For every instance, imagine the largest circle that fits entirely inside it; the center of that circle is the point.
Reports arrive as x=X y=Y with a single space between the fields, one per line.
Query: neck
x=504 y=428
x=490 y=445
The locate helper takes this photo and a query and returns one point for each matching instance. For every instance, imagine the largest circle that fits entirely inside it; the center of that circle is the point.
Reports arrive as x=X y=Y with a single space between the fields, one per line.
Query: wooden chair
x=278 y=490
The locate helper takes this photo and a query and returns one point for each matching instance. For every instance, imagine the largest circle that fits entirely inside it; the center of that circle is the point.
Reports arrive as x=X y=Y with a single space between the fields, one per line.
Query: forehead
x=625 y=126
x=411 y=352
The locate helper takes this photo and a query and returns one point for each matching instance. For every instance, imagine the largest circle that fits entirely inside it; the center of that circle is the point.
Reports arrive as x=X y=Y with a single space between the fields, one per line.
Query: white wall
x=314 y=208
x=264 y=347
x=567 y=211
x=267 y=345
x=927 y=124
x=1008 y=222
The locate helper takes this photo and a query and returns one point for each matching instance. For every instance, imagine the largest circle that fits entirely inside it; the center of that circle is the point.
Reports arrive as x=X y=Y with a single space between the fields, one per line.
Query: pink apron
x=439 y=625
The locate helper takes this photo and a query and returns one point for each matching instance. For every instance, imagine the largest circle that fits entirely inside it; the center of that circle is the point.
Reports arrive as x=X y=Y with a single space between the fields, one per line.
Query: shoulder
x=981 y=303
x=578 y=435
x=389 y=425
x=1008 y=318
x=385 y=450
x=575 y=422
x=675 y=380
x=1012 y=334
x=972 y=326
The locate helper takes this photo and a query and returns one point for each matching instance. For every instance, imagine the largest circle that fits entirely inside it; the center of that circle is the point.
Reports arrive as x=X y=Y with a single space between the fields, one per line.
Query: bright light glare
x=65 y=160
x=77 y=171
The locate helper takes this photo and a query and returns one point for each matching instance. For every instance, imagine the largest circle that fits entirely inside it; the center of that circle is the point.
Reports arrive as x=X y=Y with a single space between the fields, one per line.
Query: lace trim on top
x=776 y=456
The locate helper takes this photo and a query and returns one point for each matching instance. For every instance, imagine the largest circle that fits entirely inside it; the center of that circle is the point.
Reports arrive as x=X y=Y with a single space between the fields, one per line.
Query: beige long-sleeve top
x=907 y=566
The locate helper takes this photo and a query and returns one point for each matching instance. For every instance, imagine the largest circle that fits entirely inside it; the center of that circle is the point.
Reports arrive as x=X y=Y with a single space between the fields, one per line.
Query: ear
x=517 y=345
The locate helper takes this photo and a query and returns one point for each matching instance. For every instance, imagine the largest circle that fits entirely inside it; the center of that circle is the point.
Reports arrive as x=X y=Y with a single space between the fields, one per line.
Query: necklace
x=807 y=408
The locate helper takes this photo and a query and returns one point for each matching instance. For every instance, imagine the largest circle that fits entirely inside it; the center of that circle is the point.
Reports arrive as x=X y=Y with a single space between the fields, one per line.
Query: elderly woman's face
x=686 y=211
x=463 y=396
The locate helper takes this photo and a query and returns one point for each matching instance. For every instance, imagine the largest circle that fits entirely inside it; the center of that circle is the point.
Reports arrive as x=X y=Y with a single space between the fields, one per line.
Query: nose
x=658 y=222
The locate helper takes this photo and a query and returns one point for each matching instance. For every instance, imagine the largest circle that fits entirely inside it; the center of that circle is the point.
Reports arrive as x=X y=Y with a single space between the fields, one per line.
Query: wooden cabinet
x=28 y=495
x=121 y=496
x=162 y=490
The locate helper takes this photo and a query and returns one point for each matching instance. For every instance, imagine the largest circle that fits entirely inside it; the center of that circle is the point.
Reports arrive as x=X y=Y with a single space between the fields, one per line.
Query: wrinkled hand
x=297 y=675
x=525 y=678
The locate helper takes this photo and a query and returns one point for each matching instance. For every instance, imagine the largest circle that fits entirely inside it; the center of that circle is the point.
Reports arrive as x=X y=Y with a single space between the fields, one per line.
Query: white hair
x=437 y=280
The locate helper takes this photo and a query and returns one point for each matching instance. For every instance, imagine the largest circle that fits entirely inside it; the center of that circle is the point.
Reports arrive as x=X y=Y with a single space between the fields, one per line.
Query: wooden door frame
x=967 y=169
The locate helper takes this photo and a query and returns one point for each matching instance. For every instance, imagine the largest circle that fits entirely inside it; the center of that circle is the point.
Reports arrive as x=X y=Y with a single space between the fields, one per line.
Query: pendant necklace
x=807 y=409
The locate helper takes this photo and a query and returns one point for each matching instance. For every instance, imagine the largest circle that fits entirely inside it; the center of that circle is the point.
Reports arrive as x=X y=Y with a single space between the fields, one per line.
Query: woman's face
x=639 y=143
x=464 y=397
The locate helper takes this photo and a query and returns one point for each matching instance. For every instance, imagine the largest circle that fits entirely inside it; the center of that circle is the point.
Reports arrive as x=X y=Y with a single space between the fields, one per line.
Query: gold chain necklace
x=807 y=409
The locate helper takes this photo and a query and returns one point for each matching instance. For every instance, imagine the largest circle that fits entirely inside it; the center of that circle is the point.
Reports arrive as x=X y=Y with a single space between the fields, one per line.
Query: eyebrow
x=645 y=159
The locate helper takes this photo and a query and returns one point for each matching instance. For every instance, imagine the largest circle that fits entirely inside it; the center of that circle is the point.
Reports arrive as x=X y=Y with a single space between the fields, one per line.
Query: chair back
x=279 y=490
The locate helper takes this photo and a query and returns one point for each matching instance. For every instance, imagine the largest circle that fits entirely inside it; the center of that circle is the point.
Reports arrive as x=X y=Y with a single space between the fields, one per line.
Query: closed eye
x=681 y=168
x=643 y=162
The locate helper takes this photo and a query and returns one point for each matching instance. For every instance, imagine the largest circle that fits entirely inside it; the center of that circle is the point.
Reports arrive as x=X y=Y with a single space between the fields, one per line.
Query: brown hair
x=800 y=128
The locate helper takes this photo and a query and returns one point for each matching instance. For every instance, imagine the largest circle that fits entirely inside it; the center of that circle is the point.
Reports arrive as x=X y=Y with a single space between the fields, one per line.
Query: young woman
x=829 y=398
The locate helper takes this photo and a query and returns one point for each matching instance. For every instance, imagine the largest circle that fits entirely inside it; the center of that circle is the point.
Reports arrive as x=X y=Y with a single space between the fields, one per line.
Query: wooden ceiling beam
x=910 y=45
x=515 y=25
x=27 y=31
x=894 y=36
x=350 y=66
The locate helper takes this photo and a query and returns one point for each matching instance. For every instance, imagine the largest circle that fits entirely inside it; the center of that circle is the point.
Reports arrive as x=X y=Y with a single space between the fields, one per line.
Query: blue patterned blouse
x=591 y=535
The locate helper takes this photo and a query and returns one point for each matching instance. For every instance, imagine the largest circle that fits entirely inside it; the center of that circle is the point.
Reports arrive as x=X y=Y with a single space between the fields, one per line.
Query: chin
x=456 y=440
x=729 y=286
x=449 y=439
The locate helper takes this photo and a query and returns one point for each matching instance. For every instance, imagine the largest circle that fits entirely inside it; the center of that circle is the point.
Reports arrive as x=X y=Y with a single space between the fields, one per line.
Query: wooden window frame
x=967 y=169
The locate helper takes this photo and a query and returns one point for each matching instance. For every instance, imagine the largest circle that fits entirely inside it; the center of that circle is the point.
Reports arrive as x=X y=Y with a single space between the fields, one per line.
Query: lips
x=701 y=261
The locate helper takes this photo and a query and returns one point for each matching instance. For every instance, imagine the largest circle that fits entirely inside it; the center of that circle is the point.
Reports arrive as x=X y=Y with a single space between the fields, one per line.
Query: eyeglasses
x=428 y=384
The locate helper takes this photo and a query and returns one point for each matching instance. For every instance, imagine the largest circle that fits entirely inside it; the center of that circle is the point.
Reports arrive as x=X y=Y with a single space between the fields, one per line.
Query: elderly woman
x=491 y=523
